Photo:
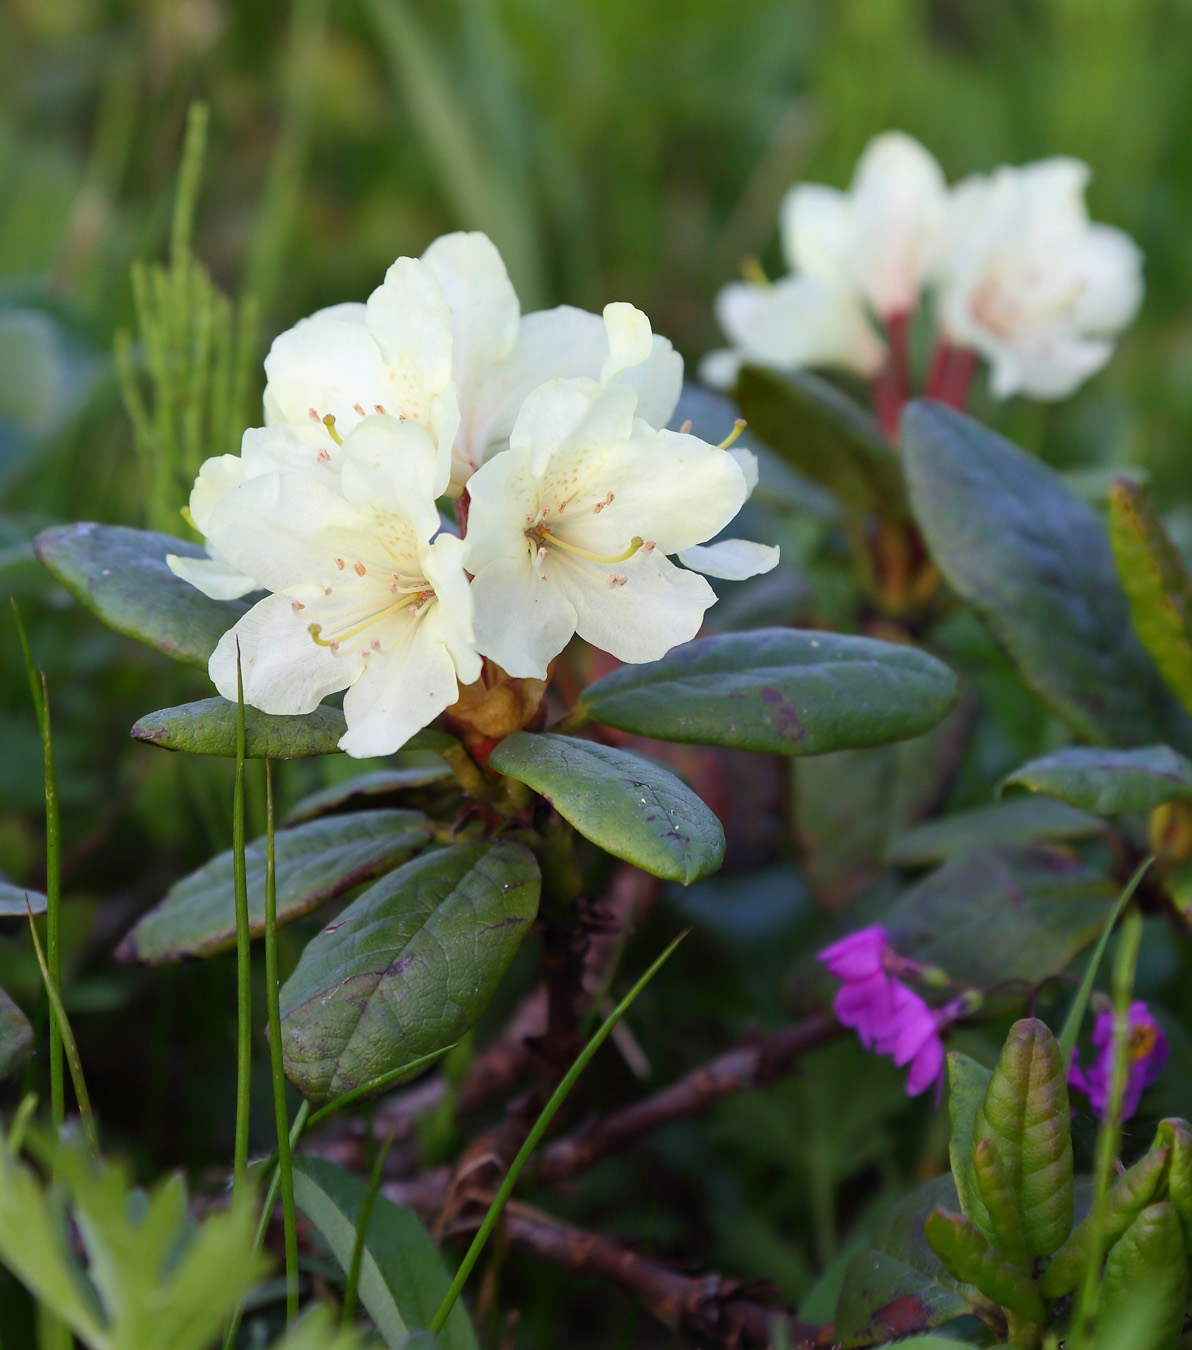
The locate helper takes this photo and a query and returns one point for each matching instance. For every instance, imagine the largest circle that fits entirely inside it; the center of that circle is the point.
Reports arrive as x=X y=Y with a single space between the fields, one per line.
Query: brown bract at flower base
x=496 y=706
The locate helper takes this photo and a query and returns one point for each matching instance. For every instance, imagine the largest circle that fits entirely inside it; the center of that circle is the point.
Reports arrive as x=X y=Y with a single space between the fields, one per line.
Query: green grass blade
x=1068 y=1036
x=58 y=1013
x=366 y=1209
x=541 y=1125
x=243 y=954
x=285 y=1168
x=53 y=962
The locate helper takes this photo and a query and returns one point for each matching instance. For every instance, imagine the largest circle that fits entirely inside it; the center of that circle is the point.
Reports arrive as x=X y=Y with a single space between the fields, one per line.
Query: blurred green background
x=614 y=149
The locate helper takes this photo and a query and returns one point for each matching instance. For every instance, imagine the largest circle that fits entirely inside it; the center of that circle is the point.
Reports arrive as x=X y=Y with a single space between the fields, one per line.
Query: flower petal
x=327 y=365
x=284 y=670
x=400 y=690
x=214 y=577
x=819 y=232
x=522 y=622
x=730 y=559
x=482 y=302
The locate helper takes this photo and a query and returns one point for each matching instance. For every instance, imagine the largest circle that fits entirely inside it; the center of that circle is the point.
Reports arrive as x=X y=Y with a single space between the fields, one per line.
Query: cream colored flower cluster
x=1019 y=274
x=575 y=511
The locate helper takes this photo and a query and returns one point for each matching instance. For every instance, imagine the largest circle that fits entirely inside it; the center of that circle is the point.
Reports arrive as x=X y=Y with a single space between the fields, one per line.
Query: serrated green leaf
x=402 y=1277
x=1035 y=564
x=13 y=901
x=897 y=1284
x=121 y=576
x=1156 y=583
x=1144 y=1289
x=997 y=914
x=152 y=1277
x=408 y=967
x=1129 y=1195
x=967 y=1084
x=1025 y=1116
x=631 y=807
x=777 y=689
x=1009 y=823
x=968 y=1256
x=825 y=435
x=16 y=1038
x=315 y=862
x=1110 y=782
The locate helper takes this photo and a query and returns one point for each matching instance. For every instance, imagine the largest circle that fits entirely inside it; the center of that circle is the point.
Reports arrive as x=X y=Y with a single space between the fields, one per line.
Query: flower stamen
x=329 y=423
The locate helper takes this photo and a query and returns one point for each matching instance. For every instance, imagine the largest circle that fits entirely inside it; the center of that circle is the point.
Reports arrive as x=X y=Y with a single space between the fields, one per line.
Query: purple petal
x=857 y=956
x=926 y=1068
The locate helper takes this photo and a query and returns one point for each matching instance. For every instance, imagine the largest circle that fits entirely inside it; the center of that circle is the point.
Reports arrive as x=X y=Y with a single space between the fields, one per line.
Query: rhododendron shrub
x=883 y=713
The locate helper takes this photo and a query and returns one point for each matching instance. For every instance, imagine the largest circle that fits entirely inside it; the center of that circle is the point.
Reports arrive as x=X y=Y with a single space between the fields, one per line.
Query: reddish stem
x=961 y=369
x=887 y=403
x=462 y=503
x=891 y=384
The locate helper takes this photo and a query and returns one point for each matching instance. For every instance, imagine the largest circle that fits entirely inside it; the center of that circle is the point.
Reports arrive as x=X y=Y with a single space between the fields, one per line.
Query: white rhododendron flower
x=443 y=342
x=1030 y=283
x=570 y=526
x=263 y=450
x=367 y=594
x=854 y=256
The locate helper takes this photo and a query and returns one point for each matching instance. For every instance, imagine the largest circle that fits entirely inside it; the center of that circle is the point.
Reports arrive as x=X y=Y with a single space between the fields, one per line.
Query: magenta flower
x=889 y=1018
x=1146 y=1054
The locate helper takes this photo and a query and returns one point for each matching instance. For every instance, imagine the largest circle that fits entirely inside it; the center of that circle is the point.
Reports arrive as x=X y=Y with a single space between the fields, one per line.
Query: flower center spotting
x=357 y=622
x=547 y=539
x=1140 y=1042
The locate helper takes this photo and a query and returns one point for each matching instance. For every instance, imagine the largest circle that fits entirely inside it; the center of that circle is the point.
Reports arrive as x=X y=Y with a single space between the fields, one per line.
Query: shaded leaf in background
x=1035 y=563
x=16 y=901
x=993 y=915
x=898 y=1285
x=315 y=862
x=848 y=806
x=1110 y=782
x=402 y=1277
x=16 y=1037
x=631 y=807
x=408 y=967
x=780 y=690
x=120 y=575
x=825 y=435
x=1156 y=583
x=365 y=788
x=1012 y=822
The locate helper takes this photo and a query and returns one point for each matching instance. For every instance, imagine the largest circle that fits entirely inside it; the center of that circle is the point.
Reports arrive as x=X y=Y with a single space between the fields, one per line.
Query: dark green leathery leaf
x=402 y=1277
x=208 y=727
x=1136 y=1188
x=781 y=690
x=997 y=914
x=1035 y=563
x=896 y=1284
x=1025 y=1115
x=121 y=576
x=393 y=786
x=1110 y=782
x=1013 y=822
x=631 y=807
x=968 y=1256
x=408 y=967
x=315 y=862
x=1144 y=1288
x=825 y=435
